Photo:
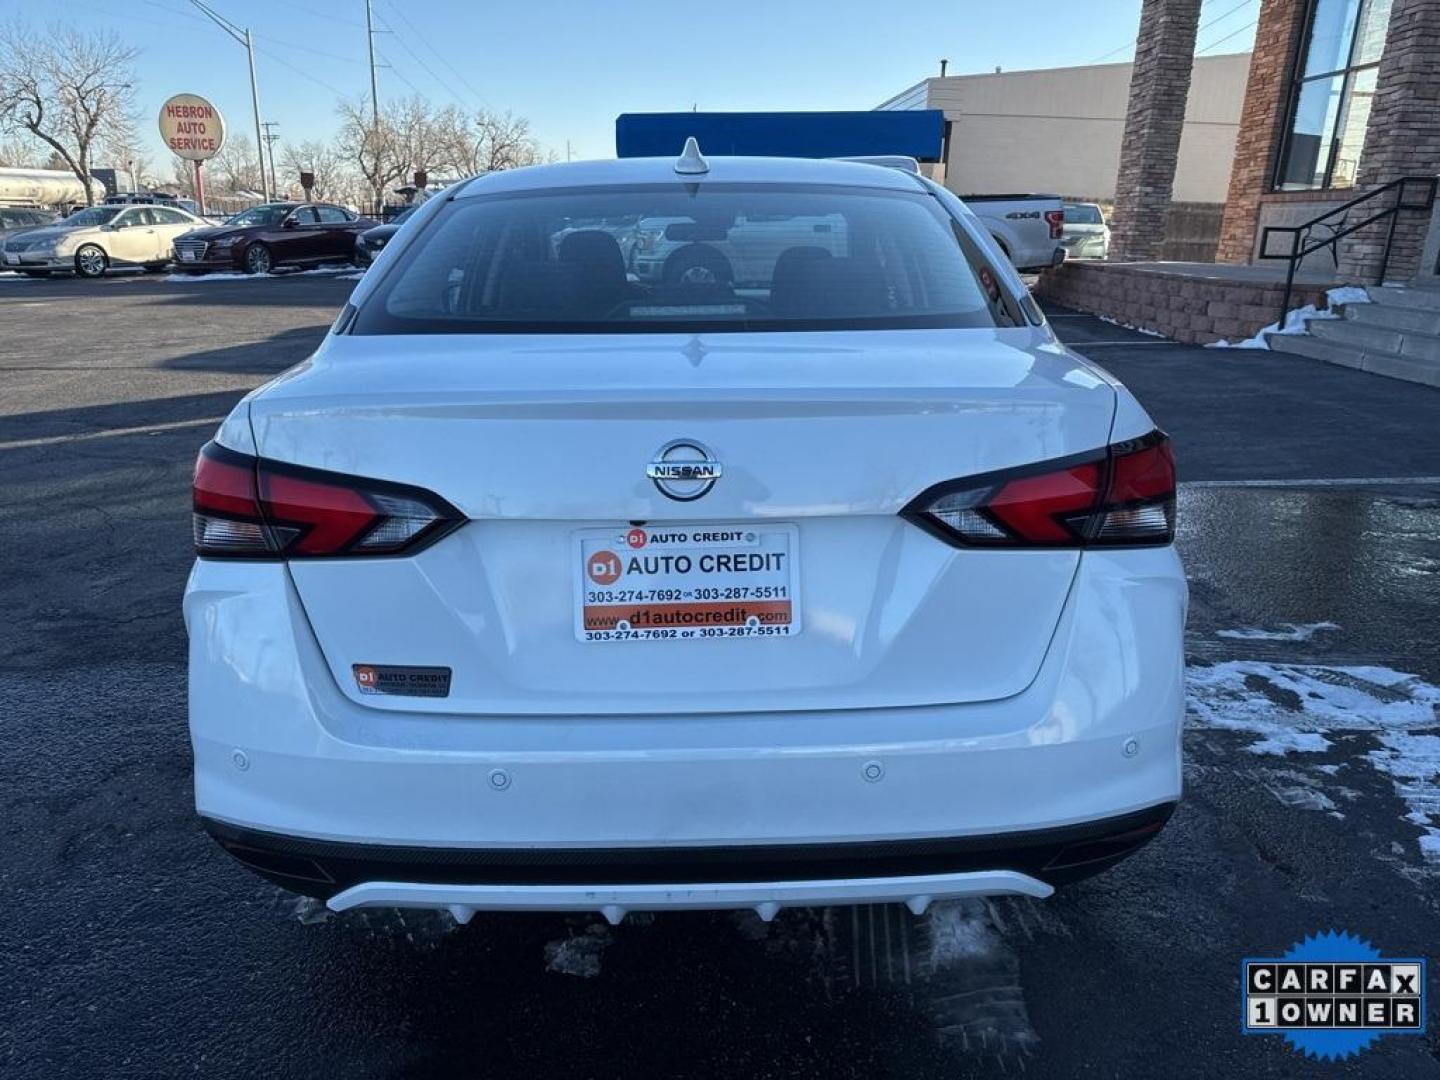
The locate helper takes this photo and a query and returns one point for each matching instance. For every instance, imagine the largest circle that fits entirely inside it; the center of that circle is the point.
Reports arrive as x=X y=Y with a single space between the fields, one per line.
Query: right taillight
x=1123 y=495
x=247 y=507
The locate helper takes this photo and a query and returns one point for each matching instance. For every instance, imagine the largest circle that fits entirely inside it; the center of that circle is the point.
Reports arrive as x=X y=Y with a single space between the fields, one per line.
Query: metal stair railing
x=1303 y=244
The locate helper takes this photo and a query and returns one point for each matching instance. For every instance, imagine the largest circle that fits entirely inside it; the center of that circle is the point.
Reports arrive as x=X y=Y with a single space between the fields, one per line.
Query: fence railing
x=1337 y=225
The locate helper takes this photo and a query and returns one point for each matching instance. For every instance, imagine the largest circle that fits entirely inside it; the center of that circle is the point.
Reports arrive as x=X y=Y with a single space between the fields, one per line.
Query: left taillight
x=1056 y=218
x=1123 y=495
x=248 y=507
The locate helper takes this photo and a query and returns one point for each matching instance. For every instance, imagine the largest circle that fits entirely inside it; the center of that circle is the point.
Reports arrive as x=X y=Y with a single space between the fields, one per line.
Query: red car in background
x=258 y=240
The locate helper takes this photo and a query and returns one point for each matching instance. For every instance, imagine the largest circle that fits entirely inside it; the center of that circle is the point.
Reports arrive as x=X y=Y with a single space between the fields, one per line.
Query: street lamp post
x=243 y=37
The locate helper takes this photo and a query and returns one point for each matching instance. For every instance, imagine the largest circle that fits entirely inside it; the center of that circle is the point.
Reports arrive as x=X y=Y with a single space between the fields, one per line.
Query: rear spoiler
x=889 y=161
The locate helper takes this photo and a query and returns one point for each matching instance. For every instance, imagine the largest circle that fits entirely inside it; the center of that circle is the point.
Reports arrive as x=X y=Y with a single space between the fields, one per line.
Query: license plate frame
x=688 y=582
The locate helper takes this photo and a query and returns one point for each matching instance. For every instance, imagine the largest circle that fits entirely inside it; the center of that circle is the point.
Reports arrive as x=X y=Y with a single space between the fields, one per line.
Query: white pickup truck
x=1028 y=228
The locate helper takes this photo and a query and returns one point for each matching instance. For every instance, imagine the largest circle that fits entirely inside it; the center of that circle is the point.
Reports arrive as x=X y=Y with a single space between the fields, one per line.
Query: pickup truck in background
x=1028 y=228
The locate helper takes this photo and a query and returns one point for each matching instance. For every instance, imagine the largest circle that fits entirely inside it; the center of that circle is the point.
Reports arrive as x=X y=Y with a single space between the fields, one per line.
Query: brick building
x=1343 y=96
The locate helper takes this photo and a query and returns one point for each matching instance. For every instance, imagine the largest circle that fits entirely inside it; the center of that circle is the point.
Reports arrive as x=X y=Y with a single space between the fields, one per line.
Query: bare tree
x=234 y=167
x=19 y=153
x=182 y=177
x=68 y=88
x=484 y=142
x=373 y=148
x=322 y=159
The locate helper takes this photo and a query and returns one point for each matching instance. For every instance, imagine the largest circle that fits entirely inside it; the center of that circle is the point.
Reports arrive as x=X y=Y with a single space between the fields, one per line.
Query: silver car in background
x=1086 y=235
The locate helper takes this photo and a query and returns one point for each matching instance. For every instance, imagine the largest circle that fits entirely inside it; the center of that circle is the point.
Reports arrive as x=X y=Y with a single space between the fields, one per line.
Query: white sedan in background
x=542 y=587
x=94 y=240
x=1086 y=234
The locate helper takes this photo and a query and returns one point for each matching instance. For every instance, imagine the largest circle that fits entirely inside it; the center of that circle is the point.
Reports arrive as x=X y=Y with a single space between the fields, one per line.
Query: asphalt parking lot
x=131 y=947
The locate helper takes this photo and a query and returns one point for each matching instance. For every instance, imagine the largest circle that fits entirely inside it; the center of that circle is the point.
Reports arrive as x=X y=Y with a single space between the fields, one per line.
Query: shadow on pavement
x=268 y=357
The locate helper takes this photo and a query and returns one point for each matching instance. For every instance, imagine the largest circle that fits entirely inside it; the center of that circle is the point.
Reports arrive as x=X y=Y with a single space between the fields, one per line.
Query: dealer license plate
x=187 y=256
x=686 y=582
x=11 y=259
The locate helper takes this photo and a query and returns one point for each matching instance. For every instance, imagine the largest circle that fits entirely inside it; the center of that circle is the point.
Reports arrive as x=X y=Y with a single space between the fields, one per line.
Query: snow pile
x=1127 y=326
x=337 y=272
x=579 y=954
x=959 y=930
x=1297 y=708
x=1292 y=632
x=1295 y=318
x=1346 y=294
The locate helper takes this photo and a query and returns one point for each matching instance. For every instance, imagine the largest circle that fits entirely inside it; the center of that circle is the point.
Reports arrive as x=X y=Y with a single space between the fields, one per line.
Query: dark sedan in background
x=18 y=219
x=265 y=237
x=372 y=241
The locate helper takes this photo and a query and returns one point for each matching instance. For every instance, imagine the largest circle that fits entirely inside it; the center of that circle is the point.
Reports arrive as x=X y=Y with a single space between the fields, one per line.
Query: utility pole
x=243 y=37
x=374 y=85
x=270 y=140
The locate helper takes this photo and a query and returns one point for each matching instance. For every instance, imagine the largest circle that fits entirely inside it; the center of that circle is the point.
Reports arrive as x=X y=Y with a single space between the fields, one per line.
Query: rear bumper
x=285 y=762
x=763 y=876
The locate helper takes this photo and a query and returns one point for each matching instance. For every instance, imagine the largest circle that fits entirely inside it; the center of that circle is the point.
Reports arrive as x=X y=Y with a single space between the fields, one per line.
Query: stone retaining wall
x=1192 y=309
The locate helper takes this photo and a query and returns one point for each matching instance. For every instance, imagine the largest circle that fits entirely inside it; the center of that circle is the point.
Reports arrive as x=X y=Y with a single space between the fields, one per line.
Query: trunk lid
x=537 y=439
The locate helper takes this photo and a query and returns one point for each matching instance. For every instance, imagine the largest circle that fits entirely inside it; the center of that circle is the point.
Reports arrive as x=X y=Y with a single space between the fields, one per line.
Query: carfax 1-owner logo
x=1332 y=995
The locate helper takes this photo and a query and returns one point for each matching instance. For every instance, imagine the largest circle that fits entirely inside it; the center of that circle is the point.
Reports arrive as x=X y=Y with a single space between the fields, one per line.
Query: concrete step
x=1403 y=296
x=1332 y=352
x=1366 y=337
x=1345 y=354
x=1391 y=317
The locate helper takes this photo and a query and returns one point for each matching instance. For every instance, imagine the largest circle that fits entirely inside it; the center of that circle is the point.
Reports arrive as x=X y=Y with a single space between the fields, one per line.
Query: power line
x=1226 y=38
x=1220 y=18
x=307 y=49
x=428 y=70
x=328 y=16
x=1198 y=31
x=479 y=97
x=303 y=73
x=401 y=76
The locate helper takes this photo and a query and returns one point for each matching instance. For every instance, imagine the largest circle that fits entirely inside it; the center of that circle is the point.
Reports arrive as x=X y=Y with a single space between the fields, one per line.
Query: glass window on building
x=1335 y=84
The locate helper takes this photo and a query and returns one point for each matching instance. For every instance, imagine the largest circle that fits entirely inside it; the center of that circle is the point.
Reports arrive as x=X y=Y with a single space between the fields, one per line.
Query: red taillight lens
x=227 y=518
x=1124 y=495
x=252 y=508
x=1056 y=218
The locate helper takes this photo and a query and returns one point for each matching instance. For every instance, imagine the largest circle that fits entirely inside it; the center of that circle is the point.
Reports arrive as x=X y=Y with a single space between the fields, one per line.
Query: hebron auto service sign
x=191 y=127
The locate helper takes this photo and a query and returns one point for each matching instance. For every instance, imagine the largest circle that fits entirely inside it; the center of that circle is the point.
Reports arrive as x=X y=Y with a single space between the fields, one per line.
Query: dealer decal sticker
x=686 y=582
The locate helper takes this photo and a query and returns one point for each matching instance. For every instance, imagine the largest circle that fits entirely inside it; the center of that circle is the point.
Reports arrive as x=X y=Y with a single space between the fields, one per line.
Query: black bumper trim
x=323 y=868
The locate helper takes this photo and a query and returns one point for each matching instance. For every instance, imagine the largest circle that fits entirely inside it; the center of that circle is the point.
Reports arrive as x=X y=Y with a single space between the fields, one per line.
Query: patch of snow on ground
x=1295 y=319
x=960 y=930
x=1295 y=706
x=235 y=275
x=1304 y=797
x=1414 y=763
x=1294 y=324
x=1296 y=742
x=1293 y=632
x=1127 y=326
x=579 y=954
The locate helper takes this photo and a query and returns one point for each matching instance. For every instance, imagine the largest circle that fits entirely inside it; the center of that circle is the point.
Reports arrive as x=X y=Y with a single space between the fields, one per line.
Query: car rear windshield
x=688 y=258
x=1083 y=215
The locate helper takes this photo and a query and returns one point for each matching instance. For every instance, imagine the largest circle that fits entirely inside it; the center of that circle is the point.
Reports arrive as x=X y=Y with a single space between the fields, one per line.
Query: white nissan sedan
x=541 y=586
